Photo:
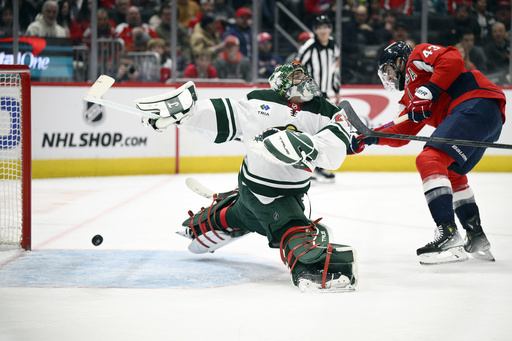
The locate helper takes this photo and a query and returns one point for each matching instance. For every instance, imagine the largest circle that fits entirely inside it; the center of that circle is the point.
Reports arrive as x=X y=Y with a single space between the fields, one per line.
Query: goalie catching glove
x=286 y=147
x=173 y=107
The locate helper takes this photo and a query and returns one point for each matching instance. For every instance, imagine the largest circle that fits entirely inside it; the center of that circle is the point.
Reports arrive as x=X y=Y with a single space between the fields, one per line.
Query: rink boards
x=71 y=137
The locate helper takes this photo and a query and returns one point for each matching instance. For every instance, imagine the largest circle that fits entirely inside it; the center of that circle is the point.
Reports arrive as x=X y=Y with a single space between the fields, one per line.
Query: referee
x=321 y=56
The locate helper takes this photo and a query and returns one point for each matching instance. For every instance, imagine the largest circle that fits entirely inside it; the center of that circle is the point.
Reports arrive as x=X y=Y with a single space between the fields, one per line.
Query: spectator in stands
x=133 y=20
x=503 y=15
x=46 y=24
x=84 y=16
x=453 y=4
x=74 y=7
x=497 y=49
x=476 y=53
x=27 y=13
x=400 y=32
x=140 y=40
x=242 y=30
x=158 y=45
x=224 y=13
x=462 y=21
x=364 y=33
x=121 y=9
x=267 y=61
x=314 y=8
x=110 y=4
x=232 y=64
x=205 y=6
x=398 y=6
x=303 y=37
x=201 y=67
x=105 y=29
x=374 y=13
x=384 y=33
x=465 y=56
x=65 y=20
x=483 y=17
x=184 y=51
x=127 y=71
x=6 y=22
x=187 y=9
x=207 y=36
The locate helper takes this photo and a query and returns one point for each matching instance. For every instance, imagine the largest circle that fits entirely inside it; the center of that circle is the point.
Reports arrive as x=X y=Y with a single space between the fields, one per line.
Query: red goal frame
x=26 y=151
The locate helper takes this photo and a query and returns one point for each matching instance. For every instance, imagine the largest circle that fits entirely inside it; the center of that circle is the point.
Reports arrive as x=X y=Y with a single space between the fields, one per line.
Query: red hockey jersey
x=444 y=68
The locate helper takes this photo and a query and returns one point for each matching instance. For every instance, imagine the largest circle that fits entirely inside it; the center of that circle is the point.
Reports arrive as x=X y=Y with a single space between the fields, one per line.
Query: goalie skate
x=447 y=247
x=335 y=282
x=208 y=242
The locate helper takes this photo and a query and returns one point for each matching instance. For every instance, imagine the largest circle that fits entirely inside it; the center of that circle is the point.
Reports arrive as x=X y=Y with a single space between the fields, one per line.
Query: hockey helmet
x=321 y=20
x=293 y=79
x=391 y=69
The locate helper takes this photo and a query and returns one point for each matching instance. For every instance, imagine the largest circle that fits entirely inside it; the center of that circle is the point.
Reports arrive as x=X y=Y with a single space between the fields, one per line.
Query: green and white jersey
x=222 y=120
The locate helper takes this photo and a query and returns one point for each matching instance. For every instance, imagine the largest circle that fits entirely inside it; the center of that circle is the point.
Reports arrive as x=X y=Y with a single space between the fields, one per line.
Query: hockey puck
x=97 y=240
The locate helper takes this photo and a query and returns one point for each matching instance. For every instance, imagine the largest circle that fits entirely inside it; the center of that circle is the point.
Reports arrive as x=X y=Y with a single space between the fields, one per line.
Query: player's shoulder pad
x=321 y=106
x=266 y=95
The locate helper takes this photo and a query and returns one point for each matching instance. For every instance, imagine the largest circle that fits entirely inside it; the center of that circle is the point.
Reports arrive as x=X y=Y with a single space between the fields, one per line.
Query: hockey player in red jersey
x=460 y=104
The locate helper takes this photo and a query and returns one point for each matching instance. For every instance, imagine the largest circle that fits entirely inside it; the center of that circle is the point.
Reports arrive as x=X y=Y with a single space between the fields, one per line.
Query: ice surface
x=142 y=284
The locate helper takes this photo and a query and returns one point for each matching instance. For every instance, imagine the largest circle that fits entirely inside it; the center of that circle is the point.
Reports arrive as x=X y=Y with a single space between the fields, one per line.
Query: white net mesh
x=10 y=159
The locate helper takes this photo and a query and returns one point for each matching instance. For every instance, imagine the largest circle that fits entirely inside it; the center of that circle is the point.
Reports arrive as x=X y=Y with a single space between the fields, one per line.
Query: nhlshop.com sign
x=91 y=140
x=47 y=58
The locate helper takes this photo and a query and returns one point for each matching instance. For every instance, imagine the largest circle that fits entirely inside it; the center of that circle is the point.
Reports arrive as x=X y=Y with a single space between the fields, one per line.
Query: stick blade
x=98 y=89
x=354 y=119
x=199 y=188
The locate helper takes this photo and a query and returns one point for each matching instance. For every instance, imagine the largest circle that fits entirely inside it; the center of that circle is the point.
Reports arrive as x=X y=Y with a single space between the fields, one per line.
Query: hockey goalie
x=288 y=130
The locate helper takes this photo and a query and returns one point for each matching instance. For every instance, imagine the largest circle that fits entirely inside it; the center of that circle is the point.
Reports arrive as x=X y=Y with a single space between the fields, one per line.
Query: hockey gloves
x=173 y=107
x=359 y=142
x=420 y=106
x=286 y=147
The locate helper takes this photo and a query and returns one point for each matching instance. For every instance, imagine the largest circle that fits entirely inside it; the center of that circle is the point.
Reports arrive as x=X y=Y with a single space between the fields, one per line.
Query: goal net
x=15 y=158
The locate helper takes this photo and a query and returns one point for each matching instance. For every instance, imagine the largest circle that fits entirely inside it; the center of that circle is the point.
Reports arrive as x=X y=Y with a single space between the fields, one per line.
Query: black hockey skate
x=447 y=246
x=476 y=243
x=311 y=280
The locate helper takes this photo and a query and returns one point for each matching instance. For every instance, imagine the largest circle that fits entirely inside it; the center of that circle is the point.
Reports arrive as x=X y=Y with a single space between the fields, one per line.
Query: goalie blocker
x=172 y=107
x=315 y=263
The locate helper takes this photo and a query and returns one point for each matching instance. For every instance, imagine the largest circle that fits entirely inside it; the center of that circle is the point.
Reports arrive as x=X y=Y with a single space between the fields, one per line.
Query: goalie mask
x=392 y=63
x=293 y=79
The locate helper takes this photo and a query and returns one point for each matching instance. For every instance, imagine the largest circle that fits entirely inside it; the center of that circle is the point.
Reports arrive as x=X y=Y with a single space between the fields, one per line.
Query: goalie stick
x=364 y=130
x=100 y=87
x=199 y=188
x=204 y=191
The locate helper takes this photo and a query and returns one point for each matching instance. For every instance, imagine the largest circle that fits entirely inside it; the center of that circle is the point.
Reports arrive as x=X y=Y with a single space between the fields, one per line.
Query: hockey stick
x=387 y=125
x=204 y=191
x=98 y=89
x=199 y=188
x=392 y=123
x=364 y=130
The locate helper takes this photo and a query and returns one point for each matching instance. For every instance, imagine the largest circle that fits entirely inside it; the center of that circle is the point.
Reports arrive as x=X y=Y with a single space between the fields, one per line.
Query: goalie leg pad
x=173 y=107
x=315 y=264
x=208 y=228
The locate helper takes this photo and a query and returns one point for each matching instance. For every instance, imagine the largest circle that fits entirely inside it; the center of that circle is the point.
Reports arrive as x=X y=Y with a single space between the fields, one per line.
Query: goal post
x=15 y=156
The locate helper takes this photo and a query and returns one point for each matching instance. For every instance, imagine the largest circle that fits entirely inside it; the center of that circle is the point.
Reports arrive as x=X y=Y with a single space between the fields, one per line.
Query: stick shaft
x=364 y=130
x=121 y=107
x=100 y=87
x=392 y=123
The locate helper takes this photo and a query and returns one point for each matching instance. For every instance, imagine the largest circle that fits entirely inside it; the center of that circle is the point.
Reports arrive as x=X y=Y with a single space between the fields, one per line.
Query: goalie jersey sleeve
x=222 y=119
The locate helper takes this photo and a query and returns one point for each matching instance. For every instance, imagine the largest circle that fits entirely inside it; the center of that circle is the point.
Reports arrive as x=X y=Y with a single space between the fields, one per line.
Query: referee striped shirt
x=322 y=62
